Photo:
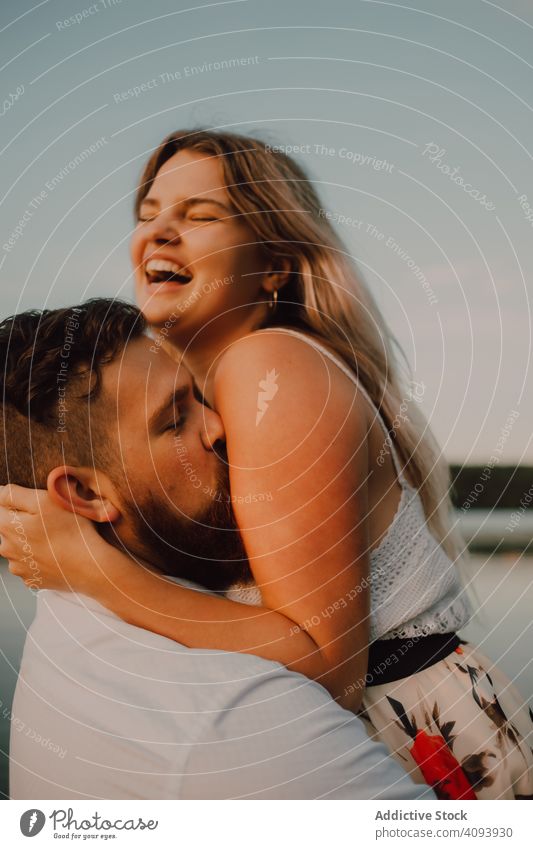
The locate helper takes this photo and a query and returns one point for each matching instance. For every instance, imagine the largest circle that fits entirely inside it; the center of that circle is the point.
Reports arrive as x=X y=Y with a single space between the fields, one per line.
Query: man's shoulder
x=209 y=683
x=71 y=624
x=217 y=724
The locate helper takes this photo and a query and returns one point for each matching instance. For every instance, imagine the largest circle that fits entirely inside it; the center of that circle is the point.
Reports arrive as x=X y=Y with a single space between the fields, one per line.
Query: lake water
x=17 y=607
x=503 y=627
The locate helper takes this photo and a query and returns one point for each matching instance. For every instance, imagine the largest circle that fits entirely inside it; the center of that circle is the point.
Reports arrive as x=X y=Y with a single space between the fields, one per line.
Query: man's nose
x=212 y=429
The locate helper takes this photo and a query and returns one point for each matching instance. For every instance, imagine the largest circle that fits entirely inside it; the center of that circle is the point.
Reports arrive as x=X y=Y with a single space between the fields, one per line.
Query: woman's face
x=194 y=257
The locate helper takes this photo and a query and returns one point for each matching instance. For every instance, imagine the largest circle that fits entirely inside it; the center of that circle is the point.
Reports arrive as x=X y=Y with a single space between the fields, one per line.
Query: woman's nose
x=212 y=430
x=165 y=229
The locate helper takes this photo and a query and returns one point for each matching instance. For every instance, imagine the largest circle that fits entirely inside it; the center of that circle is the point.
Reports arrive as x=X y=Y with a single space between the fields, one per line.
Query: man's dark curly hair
x=53 y=411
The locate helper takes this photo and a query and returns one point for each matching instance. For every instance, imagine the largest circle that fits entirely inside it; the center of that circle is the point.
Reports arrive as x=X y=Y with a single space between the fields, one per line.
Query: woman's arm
x=37 y=535
x=296 y=434
x=298 y=477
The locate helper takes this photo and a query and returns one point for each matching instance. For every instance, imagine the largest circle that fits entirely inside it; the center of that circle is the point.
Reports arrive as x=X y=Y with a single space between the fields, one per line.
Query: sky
x=413 y=120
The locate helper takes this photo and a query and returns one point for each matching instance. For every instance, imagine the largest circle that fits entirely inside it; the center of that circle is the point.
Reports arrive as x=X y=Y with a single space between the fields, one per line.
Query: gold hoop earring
x=273 y=302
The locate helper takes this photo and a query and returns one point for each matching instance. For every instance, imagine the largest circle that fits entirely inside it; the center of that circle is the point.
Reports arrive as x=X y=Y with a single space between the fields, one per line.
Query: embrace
x=238 y=522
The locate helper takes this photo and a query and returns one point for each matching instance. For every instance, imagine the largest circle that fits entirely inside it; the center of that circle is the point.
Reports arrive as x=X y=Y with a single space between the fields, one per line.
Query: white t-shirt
x=105 y=710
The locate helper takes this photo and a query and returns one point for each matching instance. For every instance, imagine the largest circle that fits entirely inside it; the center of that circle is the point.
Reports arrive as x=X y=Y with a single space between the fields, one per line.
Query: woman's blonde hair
x=325 y=296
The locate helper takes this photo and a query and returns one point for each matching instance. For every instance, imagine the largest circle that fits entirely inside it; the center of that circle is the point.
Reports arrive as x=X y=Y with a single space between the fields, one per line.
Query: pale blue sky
x=373 y=79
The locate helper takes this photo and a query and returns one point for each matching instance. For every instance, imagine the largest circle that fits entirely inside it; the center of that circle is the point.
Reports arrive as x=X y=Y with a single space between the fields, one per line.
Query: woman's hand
x=48 y=547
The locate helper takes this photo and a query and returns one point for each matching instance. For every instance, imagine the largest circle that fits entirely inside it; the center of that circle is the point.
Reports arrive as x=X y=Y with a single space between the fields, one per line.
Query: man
x=115 y=711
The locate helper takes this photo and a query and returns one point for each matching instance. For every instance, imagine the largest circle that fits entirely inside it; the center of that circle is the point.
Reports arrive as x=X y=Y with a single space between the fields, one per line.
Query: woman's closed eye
x=145 y=219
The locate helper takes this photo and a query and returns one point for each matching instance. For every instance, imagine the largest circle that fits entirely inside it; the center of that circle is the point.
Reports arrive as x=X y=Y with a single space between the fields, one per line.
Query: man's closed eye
x=175 y=425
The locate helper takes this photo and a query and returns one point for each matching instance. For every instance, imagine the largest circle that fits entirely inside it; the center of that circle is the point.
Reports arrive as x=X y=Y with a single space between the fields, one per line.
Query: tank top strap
x=314 y=343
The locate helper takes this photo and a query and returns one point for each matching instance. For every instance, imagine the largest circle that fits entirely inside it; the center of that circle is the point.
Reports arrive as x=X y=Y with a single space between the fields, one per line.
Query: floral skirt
x=459 y=726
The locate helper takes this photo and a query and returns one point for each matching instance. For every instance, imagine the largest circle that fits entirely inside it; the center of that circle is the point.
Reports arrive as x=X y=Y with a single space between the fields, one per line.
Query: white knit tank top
x=414 y=585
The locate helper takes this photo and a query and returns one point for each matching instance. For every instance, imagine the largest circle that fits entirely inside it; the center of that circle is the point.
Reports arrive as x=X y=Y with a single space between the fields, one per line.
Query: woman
x=242 y=278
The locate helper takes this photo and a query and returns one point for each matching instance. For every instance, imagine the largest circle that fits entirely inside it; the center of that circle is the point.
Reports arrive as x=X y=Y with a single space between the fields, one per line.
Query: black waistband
x=390 y=660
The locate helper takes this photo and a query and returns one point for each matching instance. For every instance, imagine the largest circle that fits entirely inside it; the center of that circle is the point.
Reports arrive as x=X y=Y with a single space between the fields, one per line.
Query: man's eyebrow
x=158 y=417
x=189 y=202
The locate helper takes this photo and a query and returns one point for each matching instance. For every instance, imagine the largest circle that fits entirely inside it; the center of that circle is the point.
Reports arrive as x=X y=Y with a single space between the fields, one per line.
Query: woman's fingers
x=20 y=498
x=15 y=532
x=26 y=574
x=8 y=545
x=7 y=551
x=7 y=517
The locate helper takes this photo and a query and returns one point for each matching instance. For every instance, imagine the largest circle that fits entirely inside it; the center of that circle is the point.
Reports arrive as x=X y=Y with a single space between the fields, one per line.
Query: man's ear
x=279 y=275
x=84 y=491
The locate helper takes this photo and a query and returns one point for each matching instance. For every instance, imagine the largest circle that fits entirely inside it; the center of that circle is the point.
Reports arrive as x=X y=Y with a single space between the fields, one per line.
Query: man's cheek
x=190 y=473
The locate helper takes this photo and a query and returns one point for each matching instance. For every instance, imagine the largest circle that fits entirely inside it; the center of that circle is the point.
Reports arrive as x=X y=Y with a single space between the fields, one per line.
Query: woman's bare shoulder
x=301 y=388
x=276 y=348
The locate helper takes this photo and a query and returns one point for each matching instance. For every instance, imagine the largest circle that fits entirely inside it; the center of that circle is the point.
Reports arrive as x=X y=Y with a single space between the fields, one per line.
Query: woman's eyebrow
x=196 y=201
x=188 y=202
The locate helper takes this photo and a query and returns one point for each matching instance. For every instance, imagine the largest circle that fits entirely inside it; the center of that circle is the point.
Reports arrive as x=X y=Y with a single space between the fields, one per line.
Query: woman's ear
x=83 y=491
x=278 y=276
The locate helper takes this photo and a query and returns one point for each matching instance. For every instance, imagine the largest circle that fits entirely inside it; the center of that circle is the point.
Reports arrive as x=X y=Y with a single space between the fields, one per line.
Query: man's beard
x=206 y=549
